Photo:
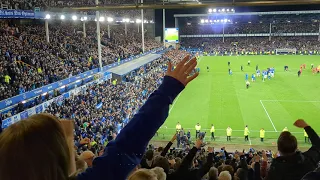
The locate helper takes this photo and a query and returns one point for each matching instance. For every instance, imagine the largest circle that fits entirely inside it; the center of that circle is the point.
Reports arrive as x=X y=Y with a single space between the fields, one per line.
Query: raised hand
x=300 y=123
x=174 y=137
x=210 y=149
x=85 y=141
x=183 y=70
x=198 y=144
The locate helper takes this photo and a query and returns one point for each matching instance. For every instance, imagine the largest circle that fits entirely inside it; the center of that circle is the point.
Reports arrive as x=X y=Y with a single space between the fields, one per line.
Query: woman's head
x=34 y=149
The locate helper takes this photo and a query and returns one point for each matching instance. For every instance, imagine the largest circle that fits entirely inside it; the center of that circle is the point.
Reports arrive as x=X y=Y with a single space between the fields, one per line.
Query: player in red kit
x=314 y=70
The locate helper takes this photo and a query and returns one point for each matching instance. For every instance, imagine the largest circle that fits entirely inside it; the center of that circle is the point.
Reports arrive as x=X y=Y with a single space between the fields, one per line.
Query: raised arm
x=166 y=149
x=187 y=161
x=206 y=167
x=314 y=151
x=125 y=152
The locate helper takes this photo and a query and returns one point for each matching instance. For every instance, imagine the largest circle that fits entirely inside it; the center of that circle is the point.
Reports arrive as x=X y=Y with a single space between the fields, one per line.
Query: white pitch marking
x=268 y=116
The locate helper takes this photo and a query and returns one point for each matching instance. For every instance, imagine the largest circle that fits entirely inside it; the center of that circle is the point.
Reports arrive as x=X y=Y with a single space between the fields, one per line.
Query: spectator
x=292 y=164
x=225 y=175
x=143 y=174
x=213 y=173
x=161 y=175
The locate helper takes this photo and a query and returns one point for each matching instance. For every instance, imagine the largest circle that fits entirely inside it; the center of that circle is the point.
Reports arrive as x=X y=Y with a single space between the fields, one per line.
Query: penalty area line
x=174 y=103
x=268 y=116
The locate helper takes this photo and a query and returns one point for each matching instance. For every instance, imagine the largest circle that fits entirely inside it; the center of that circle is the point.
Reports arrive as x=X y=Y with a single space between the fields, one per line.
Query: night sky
x=171 y=12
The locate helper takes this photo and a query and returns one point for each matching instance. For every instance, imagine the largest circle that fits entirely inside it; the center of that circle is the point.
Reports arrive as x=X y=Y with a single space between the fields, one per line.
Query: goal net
x=286 y=51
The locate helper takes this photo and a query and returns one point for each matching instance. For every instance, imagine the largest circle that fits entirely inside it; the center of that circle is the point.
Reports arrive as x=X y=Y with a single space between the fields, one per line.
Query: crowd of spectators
x=28 y=61
x=253 y=44
x=103 y=109
x=46 y=4
x=21 y=4
x=248 y=28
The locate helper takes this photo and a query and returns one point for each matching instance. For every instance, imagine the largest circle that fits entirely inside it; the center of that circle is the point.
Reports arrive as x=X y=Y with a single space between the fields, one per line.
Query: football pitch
x=217 y=98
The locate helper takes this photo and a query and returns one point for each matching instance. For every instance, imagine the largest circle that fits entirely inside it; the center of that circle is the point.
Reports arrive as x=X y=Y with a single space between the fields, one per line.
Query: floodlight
x=101 y=19
x=109 y=19
x=62 y=17
x=74 y=17
x=48 y=16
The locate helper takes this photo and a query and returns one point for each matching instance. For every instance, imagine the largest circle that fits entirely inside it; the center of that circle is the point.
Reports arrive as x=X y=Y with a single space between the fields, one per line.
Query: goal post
x=285 y=51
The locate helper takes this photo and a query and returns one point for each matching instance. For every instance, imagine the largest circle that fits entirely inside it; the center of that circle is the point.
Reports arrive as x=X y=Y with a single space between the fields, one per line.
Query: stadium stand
x=67 y=55
x=252 y=44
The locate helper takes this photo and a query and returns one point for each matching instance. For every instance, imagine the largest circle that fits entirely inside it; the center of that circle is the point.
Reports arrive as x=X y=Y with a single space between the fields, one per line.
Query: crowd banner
x=10 y=13
x=88 y=74
x=42 y=107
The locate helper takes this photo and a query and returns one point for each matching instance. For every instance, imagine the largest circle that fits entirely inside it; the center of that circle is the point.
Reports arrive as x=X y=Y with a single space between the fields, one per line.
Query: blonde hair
x=161 y=175
x=143 y=174
x=81 y=166
x=34 y=149
x=225 y=175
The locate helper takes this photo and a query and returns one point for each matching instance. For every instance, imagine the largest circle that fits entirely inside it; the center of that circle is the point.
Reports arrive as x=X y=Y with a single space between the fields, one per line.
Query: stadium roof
x=249 y=13
x=181 y=4
x=132 y=65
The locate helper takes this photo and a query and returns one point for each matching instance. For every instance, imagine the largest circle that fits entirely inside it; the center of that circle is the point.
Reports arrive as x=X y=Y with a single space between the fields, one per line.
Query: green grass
x=223 y=100
x=172 y=37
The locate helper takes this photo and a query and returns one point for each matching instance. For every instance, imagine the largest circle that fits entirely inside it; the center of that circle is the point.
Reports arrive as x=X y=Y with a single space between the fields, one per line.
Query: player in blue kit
x=258 y=73
x=272 y=72
x=247 y=77
x=253 y=77
x=230 y=72
x=264 y=75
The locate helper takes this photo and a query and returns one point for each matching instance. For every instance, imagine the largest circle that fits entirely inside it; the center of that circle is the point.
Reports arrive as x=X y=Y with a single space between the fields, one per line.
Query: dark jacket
x=294 y=167
x=184 y=172
x=315 y=175
x=123 y=154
